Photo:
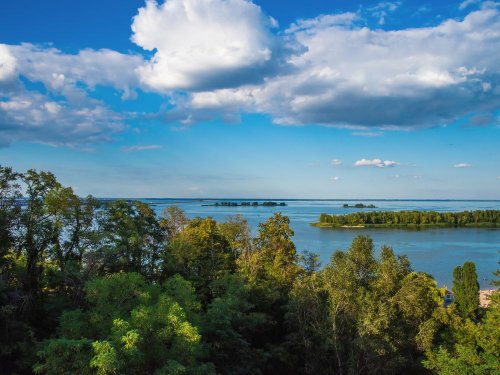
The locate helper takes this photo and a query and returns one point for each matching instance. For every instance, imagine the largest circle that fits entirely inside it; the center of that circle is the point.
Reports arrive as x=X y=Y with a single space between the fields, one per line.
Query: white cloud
x=336 y=162
x=355 y=77
x=367 y=134
x=375 y=163
x=8 y=63
x=465 y=4
x=462 y=165
x=220 y=58
x=140 y=148
x=63 y=113
x=203 y=44
x=381 y=10
x=65 y=73
x=30 y=116
x=335 y=178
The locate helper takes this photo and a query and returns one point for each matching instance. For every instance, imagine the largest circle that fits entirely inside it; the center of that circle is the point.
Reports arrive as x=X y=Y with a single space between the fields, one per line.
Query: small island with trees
x=359 y=205
x=411 y=219
x=247 y=204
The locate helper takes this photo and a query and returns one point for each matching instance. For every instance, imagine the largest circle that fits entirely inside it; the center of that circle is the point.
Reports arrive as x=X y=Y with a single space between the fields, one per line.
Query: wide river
x=435 y=251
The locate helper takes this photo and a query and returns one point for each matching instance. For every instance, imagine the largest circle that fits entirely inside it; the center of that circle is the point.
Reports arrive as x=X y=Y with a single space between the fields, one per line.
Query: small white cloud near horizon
x=336 y=162
x=462 y=165
x=140 y=148
x=376 y=163
x=335 y=178
x=367 y=134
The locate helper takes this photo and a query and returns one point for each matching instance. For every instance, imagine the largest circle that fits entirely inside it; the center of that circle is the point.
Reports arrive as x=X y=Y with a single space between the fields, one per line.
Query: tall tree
x=132 y=241
x=38 y=231
x=202 y=254
x=466 y=290
x=10 y=191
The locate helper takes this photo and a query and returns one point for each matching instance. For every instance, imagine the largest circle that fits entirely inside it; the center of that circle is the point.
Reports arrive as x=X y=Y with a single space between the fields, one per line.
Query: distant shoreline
x=246 y=204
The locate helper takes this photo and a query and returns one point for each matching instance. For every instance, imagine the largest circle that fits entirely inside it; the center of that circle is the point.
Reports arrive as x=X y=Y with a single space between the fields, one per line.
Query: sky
x=264 y=99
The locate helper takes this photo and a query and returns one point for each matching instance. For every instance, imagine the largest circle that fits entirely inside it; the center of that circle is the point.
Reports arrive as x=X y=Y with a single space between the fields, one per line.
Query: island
x=359 y=205
x=411 y=219
x=252 y=204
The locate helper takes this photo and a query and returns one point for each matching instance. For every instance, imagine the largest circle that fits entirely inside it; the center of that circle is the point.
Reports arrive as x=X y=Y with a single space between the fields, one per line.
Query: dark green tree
x=132 y=240
x=466 y=290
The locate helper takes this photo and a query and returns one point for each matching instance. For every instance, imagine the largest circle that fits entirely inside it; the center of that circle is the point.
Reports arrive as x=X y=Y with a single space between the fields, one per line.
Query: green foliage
x=130 y=328
x=201 y=254
x=132 y=239
x=361 y=314
x=230 y=326
x=466 y=290
x=274 y=261
x=485 y=218
x=461 y=345
x=65 y=356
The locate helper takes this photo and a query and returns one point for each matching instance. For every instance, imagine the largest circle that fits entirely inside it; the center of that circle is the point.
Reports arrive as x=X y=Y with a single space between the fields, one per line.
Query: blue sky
x=269 y=99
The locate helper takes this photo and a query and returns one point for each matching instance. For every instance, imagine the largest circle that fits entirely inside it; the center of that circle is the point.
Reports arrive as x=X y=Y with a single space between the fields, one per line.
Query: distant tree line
x=235 y=204
x=490 y=218
x=89 y=288
x=358 y=205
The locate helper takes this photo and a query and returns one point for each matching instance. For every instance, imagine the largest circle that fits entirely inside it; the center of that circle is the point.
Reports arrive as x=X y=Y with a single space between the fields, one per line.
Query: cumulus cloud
x=32 y=117
x=336 y=162
x=335 y=178
x=140 y=148
x=63 y=113
x=8 y=63
x=221 y=58
x=375 y=163
x=462 y=165
x=67 y=73
x=204 y=44
x=356 y=77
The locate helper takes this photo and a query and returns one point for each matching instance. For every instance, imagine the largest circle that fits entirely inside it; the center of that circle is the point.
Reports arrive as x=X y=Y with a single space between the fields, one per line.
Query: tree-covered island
x=416 y=219
x=247 y=204
x=358 y=205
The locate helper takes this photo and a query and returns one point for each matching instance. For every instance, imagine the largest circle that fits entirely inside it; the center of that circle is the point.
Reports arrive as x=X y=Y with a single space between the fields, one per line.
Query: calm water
x=436 y=251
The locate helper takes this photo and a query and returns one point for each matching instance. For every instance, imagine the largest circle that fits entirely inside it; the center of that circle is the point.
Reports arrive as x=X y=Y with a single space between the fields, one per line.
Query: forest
x=388 y=219
x=111 y=288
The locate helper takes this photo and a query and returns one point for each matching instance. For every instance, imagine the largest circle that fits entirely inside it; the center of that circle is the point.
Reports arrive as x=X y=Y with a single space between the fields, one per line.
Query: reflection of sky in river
x=436 y=251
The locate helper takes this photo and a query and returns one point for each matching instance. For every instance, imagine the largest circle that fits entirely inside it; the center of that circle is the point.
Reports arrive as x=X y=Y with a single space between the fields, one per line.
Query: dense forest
x=89 y=288
x=484 y=218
